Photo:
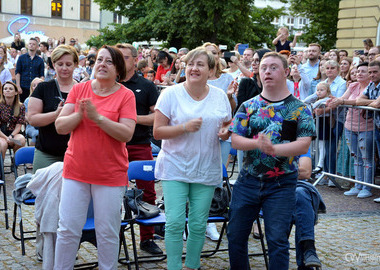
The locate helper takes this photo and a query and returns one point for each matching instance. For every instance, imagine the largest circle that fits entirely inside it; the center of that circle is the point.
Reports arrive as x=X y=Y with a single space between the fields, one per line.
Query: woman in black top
x=18 y=44
x=45 y=105
x=251 y=87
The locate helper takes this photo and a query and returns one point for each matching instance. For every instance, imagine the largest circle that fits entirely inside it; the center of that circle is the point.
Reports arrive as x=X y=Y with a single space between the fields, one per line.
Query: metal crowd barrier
x=339 y=114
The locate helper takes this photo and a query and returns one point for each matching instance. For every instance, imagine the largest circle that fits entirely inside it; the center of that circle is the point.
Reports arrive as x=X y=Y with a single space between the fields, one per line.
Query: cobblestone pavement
x=347 y=237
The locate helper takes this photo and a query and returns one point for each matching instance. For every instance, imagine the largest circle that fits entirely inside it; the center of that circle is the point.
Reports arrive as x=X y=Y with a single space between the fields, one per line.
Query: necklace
x=196 y=97
x=103 y=90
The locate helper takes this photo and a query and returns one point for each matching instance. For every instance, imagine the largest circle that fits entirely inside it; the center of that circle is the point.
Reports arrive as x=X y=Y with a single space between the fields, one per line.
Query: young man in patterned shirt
x=273 y=129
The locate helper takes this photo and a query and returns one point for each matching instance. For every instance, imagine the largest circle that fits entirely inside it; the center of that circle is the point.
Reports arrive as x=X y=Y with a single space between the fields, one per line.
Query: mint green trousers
x=176 y=194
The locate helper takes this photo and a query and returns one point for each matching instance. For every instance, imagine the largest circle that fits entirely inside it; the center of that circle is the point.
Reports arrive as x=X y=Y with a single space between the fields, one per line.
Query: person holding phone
x=45 y=104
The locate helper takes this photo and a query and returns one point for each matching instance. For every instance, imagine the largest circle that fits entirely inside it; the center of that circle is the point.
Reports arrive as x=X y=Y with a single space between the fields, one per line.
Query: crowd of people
x=96 y=110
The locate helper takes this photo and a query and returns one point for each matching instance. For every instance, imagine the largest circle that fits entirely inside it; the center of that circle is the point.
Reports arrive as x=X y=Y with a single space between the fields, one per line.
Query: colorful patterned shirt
x=283 y=121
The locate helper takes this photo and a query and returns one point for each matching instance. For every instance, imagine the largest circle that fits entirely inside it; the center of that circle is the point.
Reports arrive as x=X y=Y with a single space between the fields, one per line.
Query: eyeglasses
x=371 y=54
x=72 y=41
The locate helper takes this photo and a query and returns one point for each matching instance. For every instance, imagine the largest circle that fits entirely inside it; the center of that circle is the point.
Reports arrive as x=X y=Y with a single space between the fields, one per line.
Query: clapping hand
x=265 y=145
x=90 y=109
x=193 y=125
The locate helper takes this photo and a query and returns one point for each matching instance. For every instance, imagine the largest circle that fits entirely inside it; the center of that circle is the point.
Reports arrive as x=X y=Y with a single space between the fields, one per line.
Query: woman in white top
x=5 y=74
x=190 y=118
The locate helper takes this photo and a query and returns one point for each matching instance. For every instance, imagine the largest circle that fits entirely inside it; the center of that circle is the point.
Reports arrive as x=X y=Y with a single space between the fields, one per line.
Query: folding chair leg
x=21 y=238
x=263 y=244
x=233 y=166
x=5 y=209
x=209 y=253
x=21 y=228
x=127 y=260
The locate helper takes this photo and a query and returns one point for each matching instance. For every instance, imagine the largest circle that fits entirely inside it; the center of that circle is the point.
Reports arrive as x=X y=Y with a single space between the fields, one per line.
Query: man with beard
x=248 y=57
x=311 y=66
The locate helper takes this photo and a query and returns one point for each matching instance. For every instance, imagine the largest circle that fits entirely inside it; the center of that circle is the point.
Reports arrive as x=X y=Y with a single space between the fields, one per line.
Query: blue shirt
x=338 y=86
x=311 y=71
x=29 y=69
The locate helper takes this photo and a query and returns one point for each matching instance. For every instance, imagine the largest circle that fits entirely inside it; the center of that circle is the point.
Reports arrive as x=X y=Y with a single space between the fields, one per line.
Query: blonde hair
x=218 y=65
x=62 y=50
x=282 y=29
x=16 y=102
x=201 y=51
x=31 y=85
x=277 y=55
x=332 y=63
x=324 y=84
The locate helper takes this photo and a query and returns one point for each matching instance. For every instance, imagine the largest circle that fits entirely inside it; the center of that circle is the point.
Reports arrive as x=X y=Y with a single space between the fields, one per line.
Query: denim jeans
x=377 y=139
x=361 y=148
x=304 y=219
x=277 y=200
x=331 y=152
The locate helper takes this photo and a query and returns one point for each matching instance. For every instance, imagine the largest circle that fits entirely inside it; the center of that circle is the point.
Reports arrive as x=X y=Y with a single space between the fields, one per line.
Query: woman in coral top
x=101 y=116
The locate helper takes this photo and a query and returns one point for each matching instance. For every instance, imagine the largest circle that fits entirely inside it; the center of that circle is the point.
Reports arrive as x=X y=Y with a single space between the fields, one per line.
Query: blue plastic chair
x=23 y=156
x=144 y=170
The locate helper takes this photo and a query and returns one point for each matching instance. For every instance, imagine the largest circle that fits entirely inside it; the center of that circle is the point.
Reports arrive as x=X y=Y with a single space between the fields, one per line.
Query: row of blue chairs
x=143 y=170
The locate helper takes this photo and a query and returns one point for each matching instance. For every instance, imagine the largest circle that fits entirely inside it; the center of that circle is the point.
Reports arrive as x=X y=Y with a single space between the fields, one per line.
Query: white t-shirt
x=193 y=157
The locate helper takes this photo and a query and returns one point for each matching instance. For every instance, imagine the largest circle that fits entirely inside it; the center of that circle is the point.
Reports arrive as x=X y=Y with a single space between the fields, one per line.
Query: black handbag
x=220 y=203
x=141 y=209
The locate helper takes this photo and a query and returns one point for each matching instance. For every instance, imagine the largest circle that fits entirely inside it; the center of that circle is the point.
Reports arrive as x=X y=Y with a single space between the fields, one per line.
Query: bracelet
x=184 y=128
x=12 y=135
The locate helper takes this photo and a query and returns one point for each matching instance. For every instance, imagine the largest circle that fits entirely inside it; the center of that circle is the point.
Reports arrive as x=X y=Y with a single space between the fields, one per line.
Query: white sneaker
x=322 y=182
x=352 y=192
x=211 y=232
x=364 y=194
x=331 y=184
x=377 y=200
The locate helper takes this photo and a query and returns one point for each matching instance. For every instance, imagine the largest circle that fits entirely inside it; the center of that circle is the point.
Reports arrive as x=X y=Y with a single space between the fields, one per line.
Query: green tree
x=189 y=23
x=323 y=15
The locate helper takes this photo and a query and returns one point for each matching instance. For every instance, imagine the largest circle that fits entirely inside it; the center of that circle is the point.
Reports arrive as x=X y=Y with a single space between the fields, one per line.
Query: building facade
x=358 y=20
x=78 y=19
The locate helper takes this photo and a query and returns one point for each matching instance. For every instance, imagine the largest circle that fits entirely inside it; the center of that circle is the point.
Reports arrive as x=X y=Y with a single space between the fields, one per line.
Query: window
x=56 y=8
x=85 y=7
x=302 y=21
x=275 y=21
x=117 y=18
x=290 y=21
x=26 y=7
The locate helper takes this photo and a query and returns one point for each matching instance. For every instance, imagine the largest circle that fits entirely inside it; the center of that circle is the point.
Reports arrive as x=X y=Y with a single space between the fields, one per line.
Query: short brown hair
x=62 y=50
x=142 y=64
x=374 y=63
x=127 y=46
x=278 y=56
x=316 y=44
x=117 y=60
